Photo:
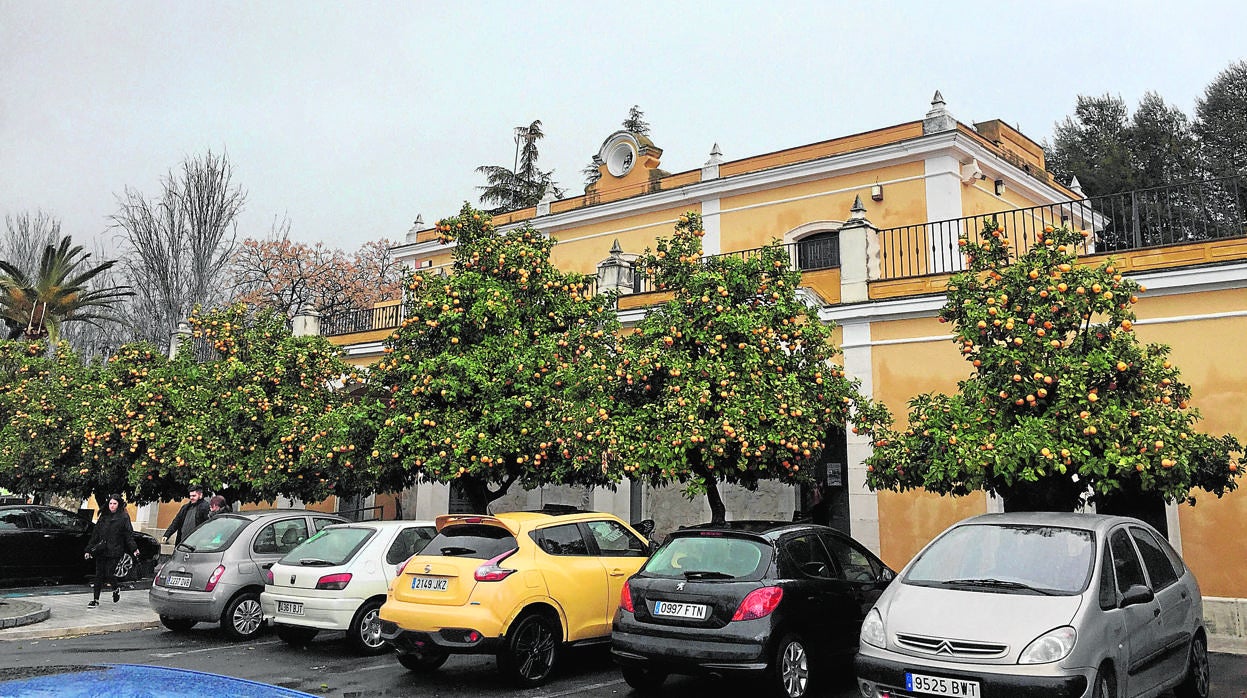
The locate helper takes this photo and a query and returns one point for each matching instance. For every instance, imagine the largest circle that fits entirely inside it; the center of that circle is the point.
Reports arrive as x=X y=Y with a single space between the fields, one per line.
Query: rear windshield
x=214 y=535
x=702 y=556
x=1008 y=559
x=330 y=547
x=471 y=540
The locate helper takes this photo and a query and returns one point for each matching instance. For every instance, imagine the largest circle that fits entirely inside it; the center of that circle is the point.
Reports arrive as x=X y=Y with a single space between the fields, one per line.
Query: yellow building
x=878 y=270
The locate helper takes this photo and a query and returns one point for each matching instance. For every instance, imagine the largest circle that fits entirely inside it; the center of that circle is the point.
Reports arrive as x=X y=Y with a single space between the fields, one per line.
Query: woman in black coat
x=112 y=537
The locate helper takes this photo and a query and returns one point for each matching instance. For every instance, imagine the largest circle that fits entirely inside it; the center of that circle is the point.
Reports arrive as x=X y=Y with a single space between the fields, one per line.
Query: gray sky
x=351 y=118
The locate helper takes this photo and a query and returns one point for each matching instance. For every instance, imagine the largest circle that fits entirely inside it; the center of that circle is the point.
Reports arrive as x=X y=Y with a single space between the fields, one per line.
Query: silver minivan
x=1049 y=604
x=217 y=573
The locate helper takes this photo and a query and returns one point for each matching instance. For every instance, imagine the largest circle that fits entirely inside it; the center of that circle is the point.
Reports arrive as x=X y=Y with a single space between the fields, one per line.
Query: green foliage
x=732 y=379
x=253 y=416
x=1221 y=122
x=1062 y=388
x=484 y=380
x=59 y=291
x=39 y=408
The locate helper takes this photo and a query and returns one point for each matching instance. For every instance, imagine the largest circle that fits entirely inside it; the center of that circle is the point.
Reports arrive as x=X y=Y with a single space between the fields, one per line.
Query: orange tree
x=732 y=380
x=245 y=414
x=1064 y=402
x=481 y=384
x=40 y=402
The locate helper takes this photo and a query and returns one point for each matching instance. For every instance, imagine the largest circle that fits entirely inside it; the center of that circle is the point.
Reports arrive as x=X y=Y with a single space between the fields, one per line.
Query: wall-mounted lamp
x=1000 y=187
x=876 y=192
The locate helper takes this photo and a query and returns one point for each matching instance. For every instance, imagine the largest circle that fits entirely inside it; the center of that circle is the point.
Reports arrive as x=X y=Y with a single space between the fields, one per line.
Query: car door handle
x=616 y=572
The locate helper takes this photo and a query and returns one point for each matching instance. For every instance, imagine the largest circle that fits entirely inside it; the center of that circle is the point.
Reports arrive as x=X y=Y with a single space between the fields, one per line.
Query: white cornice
x=958 y=144
x=1191 y=279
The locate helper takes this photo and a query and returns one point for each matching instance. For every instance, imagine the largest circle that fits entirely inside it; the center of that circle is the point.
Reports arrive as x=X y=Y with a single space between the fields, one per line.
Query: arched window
x=819 y=251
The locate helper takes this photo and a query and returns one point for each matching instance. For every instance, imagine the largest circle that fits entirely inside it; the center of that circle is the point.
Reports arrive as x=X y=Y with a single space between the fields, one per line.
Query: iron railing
x=351 y=321
x=1145 y=218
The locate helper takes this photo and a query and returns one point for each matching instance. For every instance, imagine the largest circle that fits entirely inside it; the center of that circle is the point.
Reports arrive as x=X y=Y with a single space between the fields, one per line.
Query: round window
x=620 y=158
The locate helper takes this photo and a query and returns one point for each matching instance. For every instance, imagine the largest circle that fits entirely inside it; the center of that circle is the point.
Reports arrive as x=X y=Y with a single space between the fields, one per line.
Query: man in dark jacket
x=190 y=516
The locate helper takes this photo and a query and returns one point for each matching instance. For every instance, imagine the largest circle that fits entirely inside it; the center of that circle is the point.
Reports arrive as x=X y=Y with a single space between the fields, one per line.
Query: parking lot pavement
x=69 y=615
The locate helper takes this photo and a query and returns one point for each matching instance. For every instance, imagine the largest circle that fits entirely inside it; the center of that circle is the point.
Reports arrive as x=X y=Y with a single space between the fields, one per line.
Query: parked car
x=1039 y=604
x=518 y=585
x=337 y=580
x=778 y=601
x=217 y=573
x=42 y=542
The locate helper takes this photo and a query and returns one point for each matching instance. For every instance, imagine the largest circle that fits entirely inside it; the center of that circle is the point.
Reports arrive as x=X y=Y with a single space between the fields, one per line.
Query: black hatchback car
x=774 y=600
x=42 y=542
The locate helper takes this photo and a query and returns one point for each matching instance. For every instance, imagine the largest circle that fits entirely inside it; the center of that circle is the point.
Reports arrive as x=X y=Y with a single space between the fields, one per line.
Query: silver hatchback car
x=217 y=572
x=1050 y=604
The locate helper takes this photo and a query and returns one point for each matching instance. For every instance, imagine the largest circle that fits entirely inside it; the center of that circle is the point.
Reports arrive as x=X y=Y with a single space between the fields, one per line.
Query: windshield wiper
x=706 y=574
x=997 y=584
x=315 y=562
x=187 y=548
x=456 y=550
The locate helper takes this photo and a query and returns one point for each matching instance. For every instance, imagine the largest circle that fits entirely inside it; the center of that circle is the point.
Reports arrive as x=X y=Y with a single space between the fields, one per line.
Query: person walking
x=217 y=505
x=189 y=516
x=112 y=537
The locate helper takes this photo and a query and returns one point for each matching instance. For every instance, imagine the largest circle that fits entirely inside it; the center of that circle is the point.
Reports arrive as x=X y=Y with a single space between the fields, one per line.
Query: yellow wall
x=581 y=250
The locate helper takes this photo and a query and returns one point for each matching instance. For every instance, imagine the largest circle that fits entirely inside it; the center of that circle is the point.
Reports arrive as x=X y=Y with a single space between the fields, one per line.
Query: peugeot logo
x=186 y=556
x=428 y=569
x=679 y=587
x=292 y=580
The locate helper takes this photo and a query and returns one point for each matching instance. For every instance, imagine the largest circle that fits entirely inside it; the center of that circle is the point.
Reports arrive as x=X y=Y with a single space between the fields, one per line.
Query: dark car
x=91 y=680
x=42 y=542
x=775 y=600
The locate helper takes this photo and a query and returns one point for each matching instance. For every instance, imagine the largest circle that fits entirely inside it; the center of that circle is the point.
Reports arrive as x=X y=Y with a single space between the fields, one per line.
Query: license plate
x=290 y=608
x=178 y=580
x=671 y=609
x=429 y=583
x=940 y=686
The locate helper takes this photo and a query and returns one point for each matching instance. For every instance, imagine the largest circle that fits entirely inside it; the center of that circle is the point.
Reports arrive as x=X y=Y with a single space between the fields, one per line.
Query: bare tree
x=179 y=244
x=26 y=236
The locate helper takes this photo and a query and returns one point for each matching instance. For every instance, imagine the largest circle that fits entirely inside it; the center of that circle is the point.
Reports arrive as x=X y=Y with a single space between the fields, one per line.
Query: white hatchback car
x=337 y=580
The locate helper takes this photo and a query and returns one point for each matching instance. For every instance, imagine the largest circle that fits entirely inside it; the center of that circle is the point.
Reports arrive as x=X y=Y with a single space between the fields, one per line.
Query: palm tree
x=58 y=292
x=524 y=184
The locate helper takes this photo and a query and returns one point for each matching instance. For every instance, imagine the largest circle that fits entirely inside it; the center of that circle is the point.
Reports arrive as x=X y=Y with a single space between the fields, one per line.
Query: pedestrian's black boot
x=95 y=603
x=116 y=595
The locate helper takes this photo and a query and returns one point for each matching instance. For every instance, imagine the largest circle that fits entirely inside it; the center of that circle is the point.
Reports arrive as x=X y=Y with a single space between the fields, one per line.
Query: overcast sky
x=352 y=118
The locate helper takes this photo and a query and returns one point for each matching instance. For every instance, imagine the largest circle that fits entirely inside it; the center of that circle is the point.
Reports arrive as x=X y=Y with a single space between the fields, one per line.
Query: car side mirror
x=886 y=575
x=645 y=527
x=1136 y=594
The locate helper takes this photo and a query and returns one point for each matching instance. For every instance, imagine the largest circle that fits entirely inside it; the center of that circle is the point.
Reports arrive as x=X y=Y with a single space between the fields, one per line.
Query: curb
x=21 y=613
x=37 y=633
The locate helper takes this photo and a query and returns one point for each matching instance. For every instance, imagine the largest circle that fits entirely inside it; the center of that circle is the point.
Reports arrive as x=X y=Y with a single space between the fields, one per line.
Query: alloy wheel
x=794 y=669
x=534 y=650
x=248 y=615
x=124 y=566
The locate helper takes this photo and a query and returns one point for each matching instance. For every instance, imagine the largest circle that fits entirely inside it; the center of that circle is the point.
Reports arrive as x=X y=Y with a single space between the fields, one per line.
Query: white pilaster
x=943 y=185
x=613 y=501
x=432 y=499
x=863 y=503
x=712 y=243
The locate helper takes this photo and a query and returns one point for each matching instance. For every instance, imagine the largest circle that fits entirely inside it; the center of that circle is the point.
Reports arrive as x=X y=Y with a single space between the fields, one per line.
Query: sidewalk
x=68 y=614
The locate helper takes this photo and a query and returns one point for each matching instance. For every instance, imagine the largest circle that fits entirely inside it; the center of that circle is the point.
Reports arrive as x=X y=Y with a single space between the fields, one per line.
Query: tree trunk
x=1131 y=500
x=718 y=512
x=1048 y=494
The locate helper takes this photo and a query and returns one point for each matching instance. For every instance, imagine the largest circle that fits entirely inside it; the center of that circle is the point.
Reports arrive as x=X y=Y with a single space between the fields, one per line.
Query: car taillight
x=268 y=576
x=334 y=582
x=402 y=566
x=214 y=577
x=491 y=572
x=625 y=598
x=759 y=603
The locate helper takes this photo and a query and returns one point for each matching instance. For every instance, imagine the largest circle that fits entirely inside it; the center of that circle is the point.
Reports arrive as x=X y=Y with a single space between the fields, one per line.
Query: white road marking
x=166 y=655
x=582 y=689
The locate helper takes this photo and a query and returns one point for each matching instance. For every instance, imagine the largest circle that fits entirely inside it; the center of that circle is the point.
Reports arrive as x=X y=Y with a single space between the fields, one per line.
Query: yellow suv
x=517 y=585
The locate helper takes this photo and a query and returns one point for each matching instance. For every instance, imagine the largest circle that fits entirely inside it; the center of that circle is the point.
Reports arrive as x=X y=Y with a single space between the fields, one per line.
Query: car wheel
x=295 y=636
x=177 y=625
x=1105 y=685
x=365 y=631
x=424 y=660
x=643 y=679
x=1195 y=684
x=790 y=668
x=126 y=568
x=531 y=650
x=243 y=617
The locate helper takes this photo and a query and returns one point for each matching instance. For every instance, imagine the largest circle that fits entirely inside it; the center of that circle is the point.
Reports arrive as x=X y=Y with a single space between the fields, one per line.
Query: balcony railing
x=352 y=321
x=1206 y=210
